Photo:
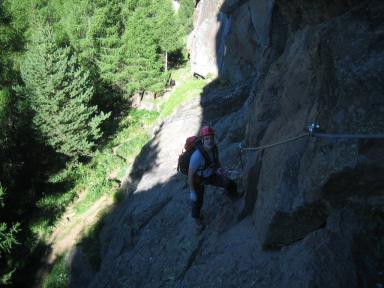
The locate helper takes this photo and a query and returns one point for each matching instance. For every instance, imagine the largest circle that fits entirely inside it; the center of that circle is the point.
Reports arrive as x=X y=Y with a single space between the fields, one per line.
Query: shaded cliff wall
x=204 y=51
x=309 y=61
x=330 y=71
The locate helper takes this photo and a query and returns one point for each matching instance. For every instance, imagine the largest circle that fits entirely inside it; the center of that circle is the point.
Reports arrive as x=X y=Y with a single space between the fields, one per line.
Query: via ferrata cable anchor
x=312 y=129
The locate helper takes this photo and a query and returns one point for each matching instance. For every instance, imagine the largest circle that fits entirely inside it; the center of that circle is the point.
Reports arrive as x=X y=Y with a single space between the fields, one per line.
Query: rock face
x=230 y=37
x=205 y=39
x=325 y=66
x=313 y=210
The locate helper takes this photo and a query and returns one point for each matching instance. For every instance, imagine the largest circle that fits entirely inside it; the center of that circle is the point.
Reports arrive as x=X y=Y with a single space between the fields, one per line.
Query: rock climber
x=205 y=169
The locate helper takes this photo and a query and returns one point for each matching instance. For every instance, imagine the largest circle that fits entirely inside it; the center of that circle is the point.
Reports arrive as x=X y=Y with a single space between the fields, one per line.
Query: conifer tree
x=14 y=115
x=94 y=30
x=167 y=30
x=9 y=167
x=108 y=41
x=7 y=242
x=185 y=14
x=82 y=28
x=76 y=23
x=140 y=60
x=60 y=97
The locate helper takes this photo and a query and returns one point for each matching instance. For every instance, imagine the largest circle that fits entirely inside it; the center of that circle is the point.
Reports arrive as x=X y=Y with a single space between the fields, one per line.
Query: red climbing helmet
x=206 y=131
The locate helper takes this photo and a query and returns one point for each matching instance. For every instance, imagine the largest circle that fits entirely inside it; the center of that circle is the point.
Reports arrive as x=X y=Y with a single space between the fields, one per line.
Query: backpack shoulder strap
x=215 y=155
x=199 y=146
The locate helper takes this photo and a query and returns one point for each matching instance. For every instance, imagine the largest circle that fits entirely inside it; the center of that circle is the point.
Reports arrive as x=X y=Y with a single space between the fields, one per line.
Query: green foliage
x=94 y=30
x=125 y=44
x=108 y=40
x=167 y=30
x=10 y=32
x=56 y=201
x=94 y=177
x=189 y=90
x=4 y=110
x=93 y=48
x=60 y=97
x=20 y=11
x=58 y=277
x=8 y=237
x=103 y=34
x=41 y=227
x=2 y=194
x=185 y=14
x=7 y=243
x=13 y=120
x=133 y=146
x=77 y=23
x=141 y=64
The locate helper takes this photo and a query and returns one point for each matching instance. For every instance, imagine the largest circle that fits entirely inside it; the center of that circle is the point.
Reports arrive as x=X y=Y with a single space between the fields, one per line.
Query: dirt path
x=69 y=231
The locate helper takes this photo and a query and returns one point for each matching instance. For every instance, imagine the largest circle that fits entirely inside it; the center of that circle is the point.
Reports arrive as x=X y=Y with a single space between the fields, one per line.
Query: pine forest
x=68 y=73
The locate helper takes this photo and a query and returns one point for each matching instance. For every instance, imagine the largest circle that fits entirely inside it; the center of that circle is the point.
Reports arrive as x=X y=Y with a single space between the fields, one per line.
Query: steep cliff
x=313 y=210
x=321 y=200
